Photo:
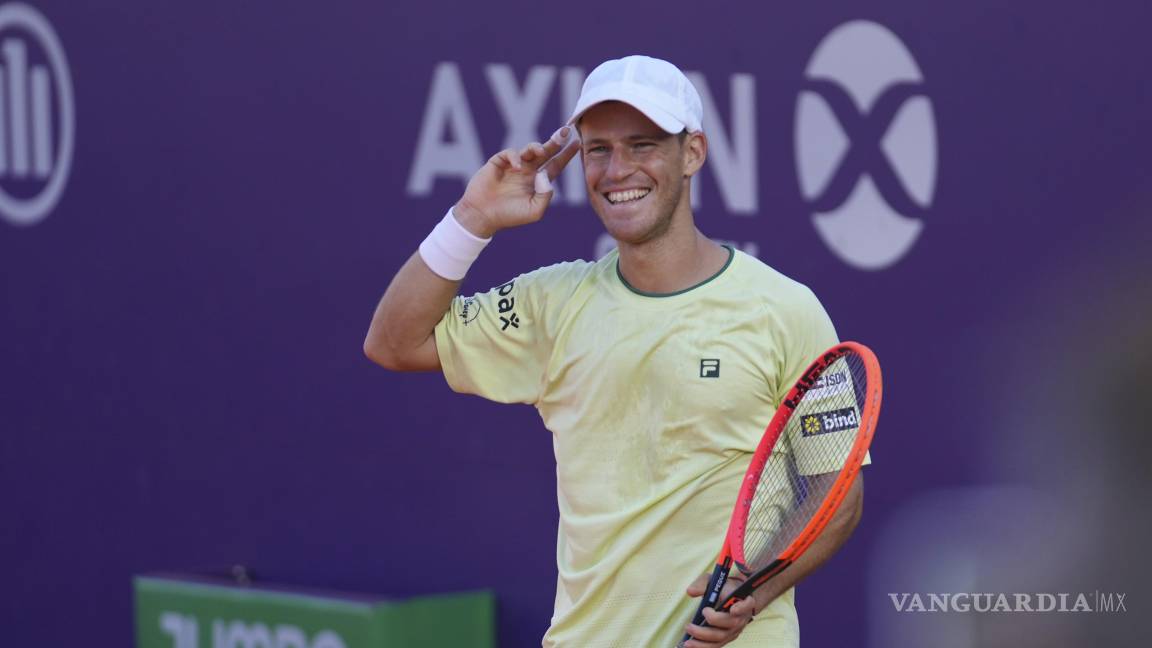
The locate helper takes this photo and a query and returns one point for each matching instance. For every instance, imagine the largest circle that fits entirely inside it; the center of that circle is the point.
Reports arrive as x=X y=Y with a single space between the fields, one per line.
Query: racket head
x=806 y=461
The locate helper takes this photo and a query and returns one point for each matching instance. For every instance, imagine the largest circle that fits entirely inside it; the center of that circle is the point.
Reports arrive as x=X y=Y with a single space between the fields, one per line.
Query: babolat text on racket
x=801 y=471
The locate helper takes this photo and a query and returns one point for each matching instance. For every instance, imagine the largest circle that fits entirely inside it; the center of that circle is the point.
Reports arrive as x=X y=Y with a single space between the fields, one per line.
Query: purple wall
x=181 y=381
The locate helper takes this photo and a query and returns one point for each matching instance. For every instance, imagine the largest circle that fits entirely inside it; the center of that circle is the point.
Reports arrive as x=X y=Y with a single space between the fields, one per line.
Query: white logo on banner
x=866 y=151
x=184 y=631
x=37 y=116
x=448 y=146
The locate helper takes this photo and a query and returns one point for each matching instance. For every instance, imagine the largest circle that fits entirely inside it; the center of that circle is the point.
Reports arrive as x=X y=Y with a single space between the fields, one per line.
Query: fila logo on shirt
x=506 y=305
x=832 y=421
x=866 y=151
x=709 y=368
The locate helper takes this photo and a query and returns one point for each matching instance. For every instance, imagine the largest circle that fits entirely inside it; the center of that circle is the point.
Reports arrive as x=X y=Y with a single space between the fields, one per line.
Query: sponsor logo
x=865 y=138
x=37 y=116
x=184 y=630
x=467 y=310
x=989 y=602
x=808 y=381
x=866 y=151
x=448 y=144
x=505 y=305
x=709 y=368
x=832 y=421
x=829 y=384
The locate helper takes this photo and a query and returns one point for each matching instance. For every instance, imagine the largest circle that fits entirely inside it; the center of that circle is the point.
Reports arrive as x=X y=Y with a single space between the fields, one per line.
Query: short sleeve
x=497 y=344
x=810 y=333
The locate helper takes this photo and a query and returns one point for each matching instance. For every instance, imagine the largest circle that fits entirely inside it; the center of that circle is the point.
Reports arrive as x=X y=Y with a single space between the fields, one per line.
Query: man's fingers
x=550 y=157
x=697 y=587
x=744 y=607
x=705 y=636
x=560 y=160
x=507 y=159
x=722 y=620
x=534 y=152
x=557 y=141
x=500 y=160
x=541 y=183
x=722 y=627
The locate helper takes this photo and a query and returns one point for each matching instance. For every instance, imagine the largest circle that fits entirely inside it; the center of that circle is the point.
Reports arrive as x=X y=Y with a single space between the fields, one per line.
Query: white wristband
x=450 y=249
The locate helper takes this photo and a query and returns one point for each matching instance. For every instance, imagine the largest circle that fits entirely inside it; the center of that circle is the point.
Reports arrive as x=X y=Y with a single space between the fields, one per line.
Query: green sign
x=175 y=613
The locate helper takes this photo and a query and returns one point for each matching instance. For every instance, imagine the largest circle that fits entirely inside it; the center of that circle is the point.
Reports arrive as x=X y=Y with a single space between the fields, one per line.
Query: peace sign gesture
x=514 y=187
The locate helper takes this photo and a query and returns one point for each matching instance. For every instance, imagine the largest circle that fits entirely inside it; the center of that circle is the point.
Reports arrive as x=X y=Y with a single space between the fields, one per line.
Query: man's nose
x=621 y=165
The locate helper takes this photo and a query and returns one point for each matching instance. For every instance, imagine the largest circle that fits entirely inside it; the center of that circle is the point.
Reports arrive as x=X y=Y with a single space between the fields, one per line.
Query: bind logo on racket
x=835 y=421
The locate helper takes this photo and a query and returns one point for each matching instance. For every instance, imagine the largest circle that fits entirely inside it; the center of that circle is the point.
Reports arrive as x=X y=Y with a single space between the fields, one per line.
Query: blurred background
x=200 y=204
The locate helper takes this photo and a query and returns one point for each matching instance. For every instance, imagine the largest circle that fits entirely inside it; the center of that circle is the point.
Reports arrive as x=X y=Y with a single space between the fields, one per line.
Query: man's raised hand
x=514 y=187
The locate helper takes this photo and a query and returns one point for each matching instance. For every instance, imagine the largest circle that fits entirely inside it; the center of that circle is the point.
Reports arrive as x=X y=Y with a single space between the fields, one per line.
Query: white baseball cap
x=653 y=86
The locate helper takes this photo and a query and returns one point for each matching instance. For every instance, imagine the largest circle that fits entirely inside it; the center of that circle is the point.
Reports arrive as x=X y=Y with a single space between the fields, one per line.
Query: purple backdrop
x=181 y=378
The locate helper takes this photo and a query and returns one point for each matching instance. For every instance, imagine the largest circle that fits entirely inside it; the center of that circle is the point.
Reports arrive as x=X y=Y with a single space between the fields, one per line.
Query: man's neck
x=676 y=261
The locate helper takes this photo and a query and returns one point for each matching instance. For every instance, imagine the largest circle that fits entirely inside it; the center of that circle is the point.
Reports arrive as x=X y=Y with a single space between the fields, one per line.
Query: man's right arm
x=505 y=192
x=402 y=334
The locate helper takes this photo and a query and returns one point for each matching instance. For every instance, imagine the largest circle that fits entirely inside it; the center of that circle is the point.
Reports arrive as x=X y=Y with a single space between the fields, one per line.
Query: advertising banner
x=190 y=612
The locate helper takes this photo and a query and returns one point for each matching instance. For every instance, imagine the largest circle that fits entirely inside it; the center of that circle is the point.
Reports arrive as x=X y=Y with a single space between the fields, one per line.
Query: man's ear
x=695 y=152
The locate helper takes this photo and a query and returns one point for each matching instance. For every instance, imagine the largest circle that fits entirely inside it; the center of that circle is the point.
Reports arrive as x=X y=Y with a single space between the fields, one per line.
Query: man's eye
x=643 y=146
x=597 y=149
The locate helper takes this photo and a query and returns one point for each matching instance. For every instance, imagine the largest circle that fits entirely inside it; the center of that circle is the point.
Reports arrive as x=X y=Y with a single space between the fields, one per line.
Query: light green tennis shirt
x=655 y=404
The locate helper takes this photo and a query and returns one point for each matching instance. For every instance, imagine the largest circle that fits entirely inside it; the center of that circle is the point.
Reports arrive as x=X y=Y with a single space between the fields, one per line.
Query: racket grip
x=711 y=594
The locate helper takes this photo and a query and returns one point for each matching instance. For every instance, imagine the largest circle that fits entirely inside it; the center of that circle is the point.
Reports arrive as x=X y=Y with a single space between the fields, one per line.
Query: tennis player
x=656 y=368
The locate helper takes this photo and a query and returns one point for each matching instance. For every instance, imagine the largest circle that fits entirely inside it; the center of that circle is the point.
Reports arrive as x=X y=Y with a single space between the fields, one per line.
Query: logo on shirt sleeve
x=467 y=310
x=506 y=305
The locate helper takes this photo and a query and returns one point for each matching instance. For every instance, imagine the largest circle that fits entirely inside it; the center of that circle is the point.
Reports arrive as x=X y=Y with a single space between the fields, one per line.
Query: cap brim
x=662 y=118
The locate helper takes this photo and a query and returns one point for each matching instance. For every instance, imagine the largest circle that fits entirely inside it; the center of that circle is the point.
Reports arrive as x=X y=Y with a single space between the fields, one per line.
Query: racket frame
x=732 y=551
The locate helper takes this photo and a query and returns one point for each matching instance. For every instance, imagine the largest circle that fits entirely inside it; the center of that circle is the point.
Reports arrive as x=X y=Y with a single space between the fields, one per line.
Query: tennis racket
x=801 y=472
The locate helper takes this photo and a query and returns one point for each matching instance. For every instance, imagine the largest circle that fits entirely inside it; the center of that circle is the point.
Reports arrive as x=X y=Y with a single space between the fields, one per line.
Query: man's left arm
x=724 y=627
x=839 y=528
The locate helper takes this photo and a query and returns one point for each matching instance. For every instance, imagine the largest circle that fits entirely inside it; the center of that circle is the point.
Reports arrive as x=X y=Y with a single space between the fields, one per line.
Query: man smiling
x=655 y=368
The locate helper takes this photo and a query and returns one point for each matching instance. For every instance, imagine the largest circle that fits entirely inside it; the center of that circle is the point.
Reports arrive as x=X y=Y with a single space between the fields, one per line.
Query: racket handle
x=711 y=593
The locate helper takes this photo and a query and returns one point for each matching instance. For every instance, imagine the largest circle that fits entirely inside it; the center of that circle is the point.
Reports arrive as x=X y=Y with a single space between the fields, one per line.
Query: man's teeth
x=617 y=197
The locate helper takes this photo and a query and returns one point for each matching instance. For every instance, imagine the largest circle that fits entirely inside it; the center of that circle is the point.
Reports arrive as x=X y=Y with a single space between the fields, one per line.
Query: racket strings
x=814 y=446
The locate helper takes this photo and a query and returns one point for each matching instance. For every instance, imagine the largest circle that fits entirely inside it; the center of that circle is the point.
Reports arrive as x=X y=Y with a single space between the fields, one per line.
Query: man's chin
x=625 y=235
x=636 y=228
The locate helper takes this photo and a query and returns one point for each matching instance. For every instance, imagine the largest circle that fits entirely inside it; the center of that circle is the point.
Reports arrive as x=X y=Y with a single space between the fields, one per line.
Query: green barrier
x=179 y=612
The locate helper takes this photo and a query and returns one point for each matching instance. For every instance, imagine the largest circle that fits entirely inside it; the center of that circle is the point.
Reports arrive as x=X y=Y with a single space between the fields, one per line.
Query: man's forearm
x=839 y=529
x=401 y=336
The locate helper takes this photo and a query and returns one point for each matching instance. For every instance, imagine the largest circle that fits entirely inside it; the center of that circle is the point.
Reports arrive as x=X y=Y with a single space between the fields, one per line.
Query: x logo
x=513 y=321
x=865 y=154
